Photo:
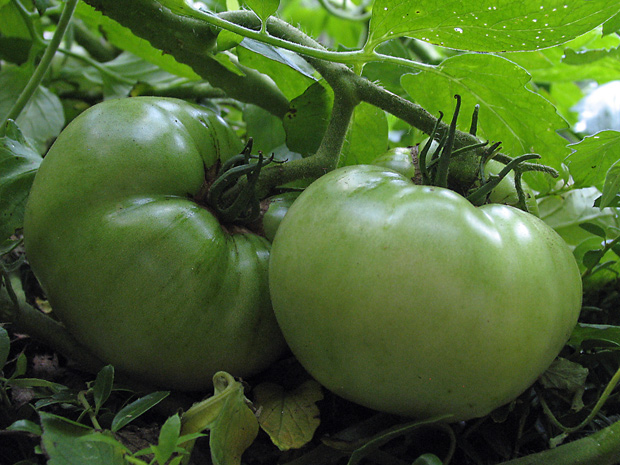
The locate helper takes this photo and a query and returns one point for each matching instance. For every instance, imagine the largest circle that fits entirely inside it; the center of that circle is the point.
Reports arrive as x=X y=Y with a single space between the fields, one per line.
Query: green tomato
x=137 y=270
x=276 y=208
x=397 y=159
x=409 y=300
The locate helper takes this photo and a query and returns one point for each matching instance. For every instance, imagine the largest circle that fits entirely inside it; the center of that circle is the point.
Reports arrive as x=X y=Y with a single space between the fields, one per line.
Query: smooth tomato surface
x=138 y=271
x=410 y=300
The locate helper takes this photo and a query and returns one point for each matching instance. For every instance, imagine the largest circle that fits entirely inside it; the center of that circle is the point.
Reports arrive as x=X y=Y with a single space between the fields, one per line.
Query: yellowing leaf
x=290 y=418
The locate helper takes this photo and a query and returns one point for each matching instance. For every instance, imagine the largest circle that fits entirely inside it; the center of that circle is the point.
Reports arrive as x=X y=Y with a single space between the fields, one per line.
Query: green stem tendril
x=233 y=205
x=479 y=195
x=474 y=121
x=426 y=179
x=441 y=179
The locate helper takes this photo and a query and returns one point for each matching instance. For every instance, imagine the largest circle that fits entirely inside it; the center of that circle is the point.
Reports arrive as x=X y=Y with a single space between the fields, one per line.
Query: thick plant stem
x=188 y=40
x=44 y=64
x=600 y=448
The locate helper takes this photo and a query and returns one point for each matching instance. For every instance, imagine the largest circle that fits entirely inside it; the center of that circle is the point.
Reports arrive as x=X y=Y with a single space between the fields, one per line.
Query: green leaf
x=611 y=188
x=168 y=437
x=124 y=39
x=592 y=158
x=487 y=26
x=103 y=386
x=5 y=347
x=290 y=72
x=568 y=376
x=428 y=459
x=595 y=335
x=289 y=417
x=506 y=105
x=612 y=26
x=63 y=444
x=19 y=163
x=227 y=415
x=263 y=8
x=594 y=229
x=266 y=129
x=132 y=411
x=368 y=136
x=42 y=118
x=25 y=426
x=307 y=119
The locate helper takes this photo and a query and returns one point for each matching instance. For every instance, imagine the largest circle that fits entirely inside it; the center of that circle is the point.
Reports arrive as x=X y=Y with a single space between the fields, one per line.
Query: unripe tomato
x=410 y=300
x=138 y=271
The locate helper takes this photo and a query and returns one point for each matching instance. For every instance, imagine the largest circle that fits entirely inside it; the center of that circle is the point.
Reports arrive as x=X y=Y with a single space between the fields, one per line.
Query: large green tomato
x=136 y=269
x=410 y=300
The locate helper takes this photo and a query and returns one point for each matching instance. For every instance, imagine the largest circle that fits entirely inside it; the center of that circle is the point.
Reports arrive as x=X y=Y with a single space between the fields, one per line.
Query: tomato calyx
x=232 y=201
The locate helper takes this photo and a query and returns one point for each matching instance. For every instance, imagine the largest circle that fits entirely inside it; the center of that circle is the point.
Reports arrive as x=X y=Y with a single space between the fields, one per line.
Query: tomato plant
x=149 y=227
x=410 y=300
x=140 y=273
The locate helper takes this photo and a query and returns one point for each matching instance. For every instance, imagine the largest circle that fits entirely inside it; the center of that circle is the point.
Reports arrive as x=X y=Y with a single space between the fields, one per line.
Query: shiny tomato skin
x=408 y=299
x=141 y=274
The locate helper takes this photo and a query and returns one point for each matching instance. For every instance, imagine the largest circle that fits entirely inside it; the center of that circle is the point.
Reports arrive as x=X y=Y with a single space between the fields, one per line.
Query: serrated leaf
x=506 y=104
x=367 y=137
x=263 y=8
x=307 y=119
x=485 y=26
x=566 y=375
x=592 y=158
x=19 y=163
x=132 y=411
x=289 y=418
x=63 y=443
x=103 y=386
x=611 y=188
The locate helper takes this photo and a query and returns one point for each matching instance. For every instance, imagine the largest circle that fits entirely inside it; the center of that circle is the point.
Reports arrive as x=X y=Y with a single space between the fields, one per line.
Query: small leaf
x=611 y=186
x=592 y=158
x=103 y=386
x=25 y=426
x=19 y=163
x=5 y=347
x=227 y=415
x=592 y=257
x=595 y=335
x=64 y=444
x=428 y=459
x=307 y=119
x=568 y=376
x=593 y=229
x=290 y=418
x=263 y=8
x=368 y=136
x=132 y=411
x=168 y=437
x=227 y=40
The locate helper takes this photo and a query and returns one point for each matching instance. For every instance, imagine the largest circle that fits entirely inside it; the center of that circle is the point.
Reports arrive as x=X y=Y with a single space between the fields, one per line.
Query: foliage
x=318 y=84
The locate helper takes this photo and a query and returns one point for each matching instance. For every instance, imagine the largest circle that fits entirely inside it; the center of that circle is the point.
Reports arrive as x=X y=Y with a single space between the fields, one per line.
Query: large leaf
x=507 y=106
x=482 y=25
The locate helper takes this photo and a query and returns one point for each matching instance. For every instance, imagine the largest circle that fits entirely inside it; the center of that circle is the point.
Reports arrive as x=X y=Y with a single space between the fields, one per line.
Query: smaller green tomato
x=277 y=206
x=398 y=159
